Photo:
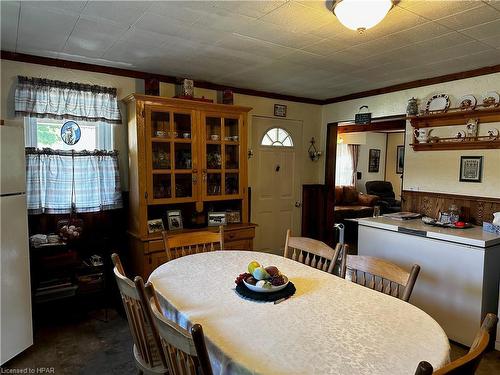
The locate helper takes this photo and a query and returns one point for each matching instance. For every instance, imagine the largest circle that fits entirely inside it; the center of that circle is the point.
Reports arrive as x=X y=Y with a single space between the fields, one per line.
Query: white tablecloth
x=330 y=326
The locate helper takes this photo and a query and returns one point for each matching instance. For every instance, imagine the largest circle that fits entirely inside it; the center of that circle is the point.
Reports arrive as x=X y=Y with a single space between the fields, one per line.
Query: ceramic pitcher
x=422 y=135
x=496 y=218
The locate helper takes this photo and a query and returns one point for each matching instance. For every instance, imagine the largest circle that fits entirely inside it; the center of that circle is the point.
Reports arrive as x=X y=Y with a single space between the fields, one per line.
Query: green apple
x=260 y=273
x=252 y=266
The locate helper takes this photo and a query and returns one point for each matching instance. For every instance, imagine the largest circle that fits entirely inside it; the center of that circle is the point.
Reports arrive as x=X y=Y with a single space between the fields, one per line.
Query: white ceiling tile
x=175 y=10
x=494 y=3
x=161 y=24
x=253 y=9
x=327 y=46
x=70 y=6
x=484 y=30
x=9 y=19
x=123 y=12
x=143 y=37
x=44 y=28
x=252 y=45
x=437 y=9
x=222 y=20
x=470 y=17
x=92 y=38
x=276 y=34
x=296 y=17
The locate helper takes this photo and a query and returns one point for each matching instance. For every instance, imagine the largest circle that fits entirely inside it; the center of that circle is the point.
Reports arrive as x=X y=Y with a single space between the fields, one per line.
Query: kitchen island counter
x=460 y=269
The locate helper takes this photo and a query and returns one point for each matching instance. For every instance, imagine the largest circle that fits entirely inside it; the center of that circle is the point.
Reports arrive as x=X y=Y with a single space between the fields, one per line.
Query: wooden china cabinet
x=189 y=156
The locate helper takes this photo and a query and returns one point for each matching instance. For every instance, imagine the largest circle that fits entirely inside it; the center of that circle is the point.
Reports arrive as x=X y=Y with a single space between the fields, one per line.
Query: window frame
x=276 y=142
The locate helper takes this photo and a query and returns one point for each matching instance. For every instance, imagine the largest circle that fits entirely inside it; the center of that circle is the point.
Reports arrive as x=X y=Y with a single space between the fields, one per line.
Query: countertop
x=474 y=236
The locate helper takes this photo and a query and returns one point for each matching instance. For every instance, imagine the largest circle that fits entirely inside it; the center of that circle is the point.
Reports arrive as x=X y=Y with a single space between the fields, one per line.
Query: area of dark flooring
x=87 y=344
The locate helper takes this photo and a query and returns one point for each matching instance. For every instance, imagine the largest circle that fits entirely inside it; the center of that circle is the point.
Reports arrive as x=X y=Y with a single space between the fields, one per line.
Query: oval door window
x=277 y=137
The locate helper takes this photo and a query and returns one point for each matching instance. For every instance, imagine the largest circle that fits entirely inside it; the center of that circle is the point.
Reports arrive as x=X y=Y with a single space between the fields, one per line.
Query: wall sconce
x=314 y=154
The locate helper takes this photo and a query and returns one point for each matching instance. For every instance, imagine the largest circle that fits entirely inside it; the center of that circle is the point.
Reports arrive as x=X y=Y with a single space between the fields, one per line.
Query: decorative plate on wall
x=439 y=102
x=491 y=99
x=70 y=133
x=467 y=102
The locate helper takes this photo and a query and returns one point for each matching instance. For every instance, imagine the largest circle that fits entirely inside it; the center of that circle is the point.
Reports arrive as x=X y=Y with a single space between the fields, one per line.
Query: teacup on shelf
x=186 y=135
x=161 y=133
x=214 y=137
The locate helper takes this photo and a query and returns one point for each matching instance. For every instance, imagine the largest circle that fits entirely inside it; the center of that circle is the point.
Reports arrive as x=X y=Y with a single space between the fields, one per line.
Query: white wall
x=432 y=171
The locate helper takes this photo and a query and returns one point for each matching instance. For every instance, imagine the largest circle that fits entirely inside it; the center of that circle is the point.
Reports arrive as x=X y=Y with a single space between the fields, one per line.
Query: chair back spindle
x=379 y=274
x=182 y=244
x=311 y=252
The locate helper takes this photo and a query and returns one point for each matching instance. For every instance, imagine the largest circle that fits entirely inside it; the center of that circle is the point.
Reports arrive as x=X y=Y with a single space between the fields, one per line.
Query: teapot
x=422 y=135
x=496 y=218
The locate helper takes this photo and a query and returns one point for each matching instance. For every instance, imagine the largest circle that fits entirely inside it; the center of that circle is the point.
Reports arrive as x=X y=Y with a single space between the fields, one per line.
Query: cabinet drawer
x=238 y=245
x=239 y=234
x=155 y=246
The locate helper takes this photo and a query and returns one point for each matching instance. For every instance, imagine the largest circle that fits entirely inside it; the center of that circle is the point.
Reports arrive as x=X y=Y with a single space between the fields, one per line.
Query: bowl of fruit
x=263 y=279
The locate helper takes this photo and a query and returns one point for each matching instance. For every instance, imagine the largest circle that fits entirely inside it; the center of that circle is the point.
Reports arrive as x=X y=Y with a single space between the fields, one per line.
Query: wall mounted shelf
x=456 y=117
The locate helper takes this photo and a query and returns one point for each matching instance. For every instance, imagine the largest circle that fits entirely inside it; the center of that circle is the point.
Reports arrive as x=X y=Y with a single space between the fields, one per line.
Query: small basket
x=70 y=229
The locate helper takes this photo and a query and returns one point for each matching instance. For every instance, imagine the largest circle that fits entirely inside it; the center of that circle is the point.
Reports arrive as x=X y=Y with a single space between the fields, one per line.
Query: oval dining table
x=329 y=326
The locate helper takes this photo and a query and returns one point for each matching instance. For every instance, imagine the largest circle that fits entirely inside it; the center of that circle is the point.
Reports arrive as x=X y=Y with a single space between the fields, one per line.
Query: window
x=343 y=166
x=46 y=133
x=277 y=137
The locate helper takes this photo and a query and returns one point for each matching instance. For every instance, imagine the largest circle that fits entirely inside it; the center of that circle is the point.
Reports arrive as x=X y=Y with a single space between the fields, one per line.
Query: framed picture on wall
x=374 y=160
x=471 y=168
x=280 y=110
x=400 y=159
x=174 y=219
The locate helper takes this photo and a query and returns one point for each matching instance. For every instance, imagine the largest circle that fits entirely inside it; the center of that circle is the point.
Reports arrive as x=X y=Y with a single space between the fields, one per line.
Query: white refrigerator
x=16 y=327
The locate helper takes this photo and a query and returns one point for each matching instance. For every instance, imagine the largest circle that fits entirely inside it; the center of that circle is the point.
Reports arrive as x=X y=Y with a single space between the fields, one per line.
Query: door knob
x=298 y=204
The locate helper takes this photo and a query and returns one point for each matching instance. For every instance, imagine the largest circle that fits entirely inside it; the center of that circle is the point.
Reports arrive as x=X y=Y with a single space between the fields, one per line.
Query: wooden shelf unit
x=455 y=117
x=191 y=174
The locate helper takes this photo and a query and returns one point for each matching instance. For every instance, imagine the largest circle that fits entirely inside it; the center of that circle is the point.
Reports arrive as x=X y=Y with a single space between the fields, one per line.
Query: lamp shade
x=361 y=14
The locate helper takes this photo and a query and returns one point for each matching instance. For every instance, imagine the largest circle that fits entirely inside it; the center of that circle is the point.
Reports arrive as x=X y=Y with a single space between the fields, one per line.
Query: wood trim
x=473 y=209
x=32 y=59
x=399 y=124
x=331 y=153
x=417 y=83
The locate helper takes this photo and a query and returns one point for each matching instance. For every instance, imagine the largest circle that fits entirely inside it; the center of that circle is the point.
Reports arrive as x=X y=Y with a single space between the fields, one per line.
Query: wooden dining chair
x=311 y=252
x=186 y=352
x=148 y=355
x=179 y=245
x=467 y=364
x=379 y=274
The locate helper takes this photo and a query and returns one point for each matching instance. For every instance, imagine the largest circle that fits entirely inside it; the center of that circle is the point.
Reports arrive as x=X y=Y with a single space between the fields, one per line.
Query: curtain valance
x=44 y=98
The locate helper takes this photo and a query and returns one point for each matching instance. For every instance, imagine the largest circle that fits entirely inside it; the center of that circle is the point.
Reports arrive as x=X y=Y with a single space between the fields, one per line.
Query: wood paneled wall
x=474 y=209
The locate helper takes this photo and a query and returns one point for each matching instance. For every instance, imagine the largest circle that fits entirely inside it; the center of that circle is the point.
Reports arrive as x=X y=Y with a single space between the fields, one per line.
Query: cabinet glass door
x=171 y=157
x=221 y=166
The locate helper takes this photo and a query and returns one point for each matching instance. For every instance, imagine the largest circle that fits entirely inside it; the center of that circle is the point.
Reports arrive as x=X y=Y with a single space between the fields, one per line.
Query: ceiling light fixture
x=361 y=15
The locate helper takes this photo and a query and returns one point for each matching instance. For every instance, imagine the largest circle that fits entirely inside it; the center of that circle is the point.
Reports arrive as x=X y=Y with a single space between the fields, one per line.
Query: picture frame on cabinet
x=216 y=219
x=174 y=220
x=155 y=225
x=471 y=168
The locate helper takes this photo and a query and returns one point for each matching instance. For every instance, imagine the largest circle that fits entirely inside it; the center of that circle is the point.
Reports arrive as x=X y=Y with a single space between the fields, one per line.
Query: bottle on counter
x=454 y=214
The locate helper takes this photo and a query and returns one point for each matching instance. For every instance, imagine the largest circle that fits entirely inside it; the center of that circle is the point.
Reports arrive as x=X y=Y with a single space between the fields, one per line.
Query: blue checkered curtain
x=59 y=182
x=44 y=98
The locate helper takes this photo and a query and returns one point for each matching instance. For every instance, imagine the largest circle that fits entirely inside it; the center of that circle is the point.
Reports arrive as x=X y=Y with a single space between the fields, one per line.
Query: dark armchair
x=388 y=202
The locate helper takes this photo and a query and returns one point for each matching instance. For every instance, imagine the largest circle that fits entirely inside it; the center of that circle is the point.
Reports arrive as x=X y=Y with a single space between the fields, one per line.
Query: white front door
x=275 y=181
